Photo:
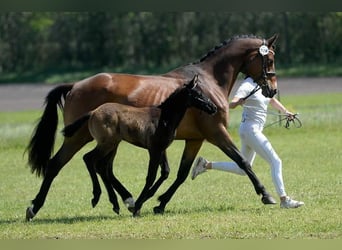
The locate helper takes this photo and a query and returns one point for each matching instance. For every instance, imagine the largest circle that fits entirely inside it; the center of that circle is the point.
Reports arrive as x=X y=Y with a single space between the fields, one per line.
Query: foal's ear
x=193 y=83
x=272 y=40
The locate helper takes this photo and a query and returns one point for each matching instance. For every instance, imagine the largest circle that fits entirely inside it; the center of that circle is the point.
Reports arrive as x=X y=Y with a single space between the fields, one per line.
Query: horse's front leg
x=151 y=176
x=190 y=151
x=224 y=142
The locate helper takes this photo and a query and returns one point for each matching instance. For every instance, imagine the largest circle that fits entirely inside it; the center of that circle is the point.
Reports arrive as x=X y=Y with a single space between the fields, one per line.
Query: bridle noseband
x=263 y=52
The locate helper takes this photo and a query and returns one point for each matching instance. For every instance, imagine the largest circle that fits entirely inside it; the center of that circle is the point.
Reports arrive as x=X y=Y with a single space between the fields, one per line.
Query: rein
x=252 y=92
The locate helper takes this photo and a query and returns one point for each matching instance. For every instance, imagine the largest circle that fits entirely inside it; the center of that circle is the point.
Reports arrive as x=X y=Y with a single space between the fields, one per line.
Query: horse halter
x=264 y=51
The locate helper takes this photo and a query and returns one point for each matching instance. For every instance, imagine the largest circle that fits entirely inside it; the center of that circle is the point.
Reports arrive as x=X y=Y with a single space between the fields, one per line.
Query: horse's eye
x=270 y=62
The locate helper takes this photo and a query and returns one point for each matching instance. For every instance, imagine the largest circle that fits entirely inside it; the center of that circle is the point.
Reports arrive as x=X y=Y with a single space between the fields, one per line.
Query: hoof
x=131 y=209
x=130 y=204
x=29 y=214
x=136 y=213
x=158 y=210
x=94 y=202
x=268 y=200
x=116 y=210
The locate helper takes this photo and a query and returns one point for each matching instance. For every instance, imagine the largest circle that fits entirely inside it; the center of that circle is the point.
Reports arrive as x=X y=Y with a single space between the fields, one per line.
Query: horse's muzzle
x=268 y=92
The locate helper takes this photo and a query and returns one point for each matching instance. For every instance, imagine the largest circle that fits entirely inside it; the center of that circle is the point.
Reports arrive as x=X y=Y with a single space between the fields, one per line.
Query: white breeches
x=254 y=141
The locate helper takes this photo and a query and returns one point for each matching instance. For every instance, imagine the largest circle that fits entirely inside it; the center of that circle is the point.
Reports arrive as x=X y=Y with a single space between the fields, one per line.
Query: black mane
x=223 y=44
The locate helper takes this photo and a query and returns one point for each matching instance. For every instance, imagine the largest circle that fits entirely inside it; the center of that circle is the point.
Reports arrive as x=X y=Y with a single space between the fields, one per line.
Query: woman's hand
x=236 y=102
x=290 y=116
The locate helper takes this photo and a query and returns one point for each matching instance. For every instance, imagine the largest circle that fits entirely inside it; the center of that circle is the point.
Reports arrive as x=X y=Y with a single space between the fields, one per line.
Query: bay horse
x=218 y=69
x=152 y=128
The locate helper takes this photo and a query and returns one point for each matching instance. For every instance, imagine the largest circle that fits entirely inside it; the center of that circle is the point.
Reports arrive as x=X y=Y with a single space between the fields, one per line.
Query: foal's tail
x=43 y=138
x=72 y=128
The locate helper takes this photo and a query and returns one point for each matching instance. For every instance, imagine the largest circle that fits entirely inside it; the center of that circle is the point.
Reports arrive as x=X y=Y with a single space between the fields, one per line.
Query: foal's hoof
x=29 y=214
x=136 y=213
x=116 y=210
x=158 y=210
x=94 y=202
x=130 y=204
x=268 y=200
x=131 y=209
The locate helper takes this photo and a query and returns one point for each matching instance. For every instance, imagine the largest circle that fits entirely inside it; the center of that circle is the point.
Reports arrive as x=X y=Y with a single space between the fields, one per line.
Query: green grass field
x=216 y=205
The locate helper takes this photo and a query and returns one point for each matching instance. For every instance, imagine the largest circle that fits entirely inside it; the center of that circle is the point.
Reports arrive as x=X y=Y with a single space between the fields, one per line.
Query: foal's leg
x=190 y=151
x=88 y=160
x=164 y=174
x=126 y=196
x=102 y=165
x=116 y=184
x=55 y=164
x=151 y=176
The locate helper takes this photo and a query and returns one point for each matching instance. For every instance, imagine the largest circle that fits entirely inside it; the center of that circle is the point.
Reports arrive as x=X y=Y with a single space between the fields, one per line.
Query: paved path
x=19 y=97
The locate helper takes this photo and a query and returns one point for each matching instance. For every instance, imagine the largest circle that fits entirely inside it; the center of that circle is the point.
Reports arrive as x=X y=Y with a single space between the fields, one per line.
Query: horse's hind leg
x=55 y=164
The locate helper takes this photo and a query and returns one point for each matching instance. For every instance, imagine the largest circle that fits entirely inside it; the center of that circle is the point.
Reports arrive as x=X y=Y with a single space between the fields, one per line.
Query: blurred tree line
x=153 y=40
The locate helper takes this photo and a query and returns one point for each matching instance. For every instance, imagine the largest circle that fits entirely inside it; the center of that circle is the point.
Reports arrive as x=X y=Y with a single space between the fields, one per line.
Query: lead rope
x=289 y=119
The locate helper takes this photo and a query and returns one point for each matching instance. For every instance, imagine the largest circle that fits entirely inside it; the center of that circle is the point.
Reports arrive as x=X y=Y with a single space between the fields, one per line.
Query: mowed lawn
x=216 y=205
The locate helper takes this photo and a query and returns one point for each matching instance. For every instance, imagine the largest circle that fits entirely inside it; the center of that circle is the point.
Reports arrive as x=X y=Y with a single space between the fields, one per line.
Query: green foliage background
x=36 y=45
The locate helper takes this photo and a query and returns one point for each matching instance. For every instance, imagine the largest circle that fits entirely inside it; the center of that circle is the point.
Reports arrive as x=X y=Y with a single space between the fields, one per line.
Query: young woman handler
x=253 y=141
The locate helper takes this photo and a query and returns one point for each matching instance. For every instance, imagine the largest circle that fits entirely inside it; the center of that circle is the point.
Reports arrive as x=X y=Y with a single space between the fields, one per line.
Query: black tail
x=72 y=128
x=43 y=138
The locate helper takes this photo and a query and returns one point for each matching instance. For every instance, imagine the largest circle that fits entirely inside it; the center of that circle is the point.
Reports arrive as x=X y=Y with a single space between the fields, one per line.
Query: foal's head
x=188 y=96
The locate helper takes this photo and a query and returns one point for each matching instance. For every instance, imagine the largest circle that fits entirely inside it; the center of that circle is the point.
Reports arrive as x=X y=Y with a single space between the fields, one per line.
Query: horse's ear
x=272 y=40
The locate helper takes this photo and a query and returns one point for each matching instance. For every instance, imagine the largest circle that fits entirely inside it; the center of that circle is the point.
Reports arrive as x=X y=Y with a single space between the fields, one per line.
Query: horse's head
x=197 y=99
x=259 y=64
